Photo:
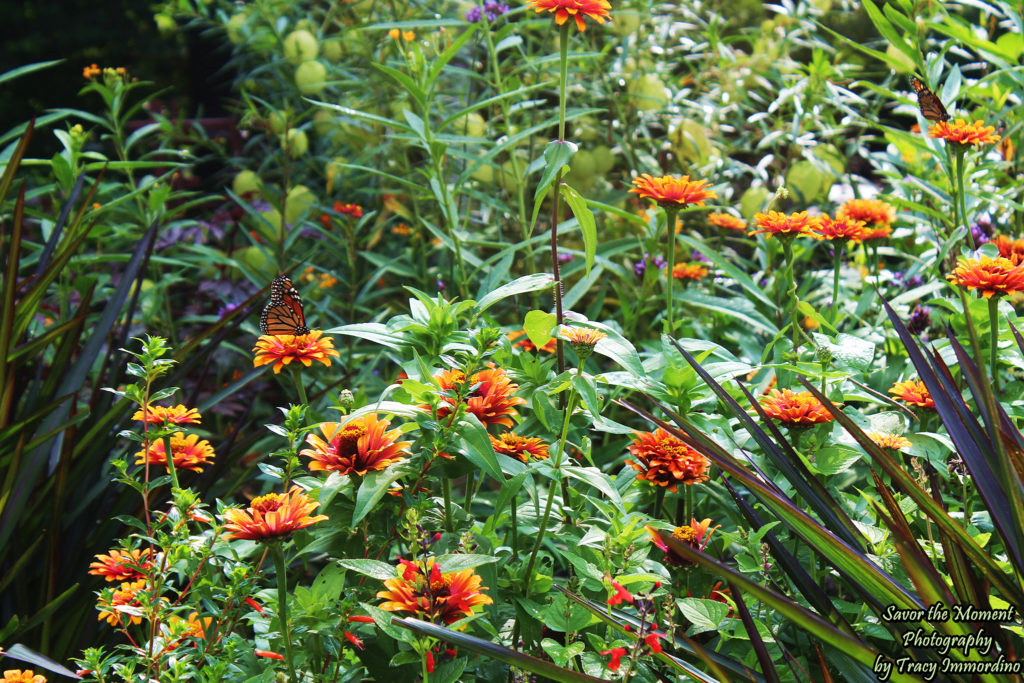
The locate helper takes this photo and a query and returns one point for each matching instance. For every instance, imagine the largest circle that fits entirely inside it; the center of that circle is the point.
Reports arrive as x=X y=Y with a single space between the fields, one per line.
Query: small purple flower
x=440 y=285
x=226 y=309
x=565 y=257
x=904 y=282
x=697 y=256
x=920 y=320
x=494 y=9
x=640 y=267
x=473 y=15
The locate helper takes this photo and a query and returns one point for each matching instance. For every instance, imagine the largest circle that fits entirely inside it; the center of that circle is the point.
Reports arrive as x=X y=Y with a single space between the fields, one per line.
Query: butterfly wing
x=929 y=103
x=283 y=314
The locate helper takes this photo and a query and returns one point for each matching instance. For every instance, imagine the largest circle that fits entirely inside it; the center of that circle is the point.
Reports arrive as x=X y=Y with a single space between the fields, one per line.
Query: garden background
x=572 y=339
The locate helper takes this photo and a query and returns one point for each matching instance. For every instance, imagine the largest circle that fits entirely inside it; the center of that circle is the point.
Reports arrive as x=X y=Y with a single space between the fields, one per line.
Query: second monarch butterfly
x=283 y=313
x=929 y=103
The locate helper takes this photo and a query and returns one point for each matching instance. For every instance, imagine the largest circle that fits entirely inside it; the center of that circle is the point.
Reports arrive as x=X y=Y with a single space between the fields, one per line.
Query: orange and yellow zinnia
x=962 y=133
x=671 y=192
x=430 y=594
x=990 y=276
x=795 y=408
x=361 y=445
x=271 y=516
x=577 y=9
x=282 y=349
x=664 y=460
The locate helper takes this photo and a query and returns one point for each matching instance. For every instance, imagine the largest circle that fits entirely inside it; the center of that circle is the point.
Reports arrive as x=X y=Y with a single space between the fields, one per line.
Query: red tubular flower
x=351 y=637
x=430 y=662
x=268 y=654
x=255 y=605
x=620 y=595
x=617 y=654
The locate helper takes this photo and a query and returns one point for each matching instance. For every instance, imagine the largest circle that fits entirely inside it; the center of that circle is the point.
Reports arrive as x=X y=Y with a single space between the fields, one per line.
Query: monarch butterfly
x=283 y=314
x=930 y=104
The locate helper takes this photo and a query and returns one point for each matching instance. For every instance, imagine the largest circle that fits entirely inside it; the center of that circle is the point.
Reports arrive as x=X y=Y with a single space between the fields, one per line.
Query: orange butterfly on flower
x=929 y=103
x=283 y=314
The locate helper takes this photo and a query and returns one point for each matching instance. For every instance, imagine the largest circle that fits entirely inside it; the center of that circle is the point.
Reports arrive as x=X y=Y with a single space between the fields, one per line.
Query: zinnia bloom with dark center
x=1010 y=248
x=778 y=224
x=577 y=9
x=521 y=448
x=490 y=397
x=272 y=515
x=893 y=441
x=727 y=221
x=122 y=566
x=360 y=446
x=178 y=414
x=962 y=133
x=914 y=392
x=432 y=595
x=672 y=192
x=282 y=349
x=188 y=452
x=664 y=460
x=796 y=409
x=990 y=276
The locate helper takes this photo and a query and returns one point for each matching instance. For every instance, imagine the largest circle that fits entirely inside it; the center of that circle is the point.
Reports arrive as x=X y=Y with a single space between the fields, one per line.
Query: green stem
x=446 y=491
x=993 y=321
x=670 y=218
x=659 y=501
x=277 y=550
x=556 y=465
x=960 y=200
x=470 y=489
x=688 y=509
x=836 y=263
x=787 y=250
x=563 y=77
x=300 y=388
x=170 y=462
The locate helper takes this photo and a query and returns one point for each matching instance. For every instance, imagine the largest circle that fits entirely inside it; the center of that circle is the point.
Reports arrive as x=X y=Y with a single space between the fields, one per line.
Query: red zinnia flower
x=272 y=515
x=577 y=9
x=778 y=224
x=873 y=212
x=796 y=409
x=490 y=397
x=432 y=595
x=360 y=446
x=188 y=452
x=1010 y=248
x=178 y=414
x=522 y=448
x=727 y=220
x=666 y=461
x=990 y=276
x=122 y=566
x=283 y=349
x=914 y=392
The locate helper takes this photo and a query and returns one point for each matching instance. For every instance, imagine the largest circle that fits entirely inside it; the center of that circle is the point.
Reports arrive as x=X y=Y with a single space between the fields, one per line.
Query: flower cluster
x=640 y=267
x=491 y=9
x=664 y=460
x=430 y=594
x=115 y=603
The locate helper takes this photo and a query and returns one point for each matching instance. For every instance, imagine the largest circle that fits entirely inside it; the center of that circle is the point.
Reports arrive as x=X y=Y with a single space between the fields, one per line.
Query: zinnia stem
x=993 y=321
x=670 y=218
x=446 y=491
x=836 y=263
x=277 y=550
x=563 y=77
x=556 y=465
x=300 y=388
x=961 y=204
x=170 y=462
x=787 y=250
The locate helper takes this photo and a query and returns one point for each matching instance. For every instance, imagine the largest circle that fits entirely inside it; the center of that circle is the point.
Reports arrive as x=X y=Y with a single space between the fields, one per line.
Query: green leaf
x=527 y=283
x=596 y=478
x=585 y=219
x=382 y=571
x=849 y=351
x=479 y=450
x=556 y=159
x=538 y=326
x=703 y=614
x=459 y=562
x=619 y=349
x=372 y=489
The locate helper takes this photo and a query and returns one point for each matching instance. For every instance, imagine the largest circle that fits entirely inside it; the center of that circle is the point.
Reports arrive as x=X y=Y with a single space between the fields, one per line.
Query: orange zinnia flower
x=727 y=220
x=839 y=229
x=550 y=346
x=990 y=276
x=874 y=212
x=126 y=596
x=879 y=233
x=272 y=515
x=672 y=192
x=432 y=595
x=188 y=452
x=666 y=461
x=963 y=133
x=583 y=339
x=778 y=224
x=361 y=445
x=893 y=441
x=26 y=676
x=282 y=349
x=689 y=271
x=695 y=534
x=490 y=397
x=577 y=9
x=122 y=566
x=1010 y=248
x=521 y=448
x=914 y=392
x=797 y=409
x=178 y=414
